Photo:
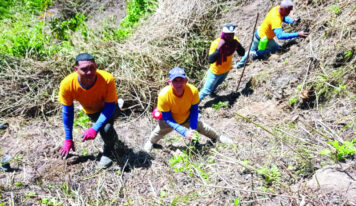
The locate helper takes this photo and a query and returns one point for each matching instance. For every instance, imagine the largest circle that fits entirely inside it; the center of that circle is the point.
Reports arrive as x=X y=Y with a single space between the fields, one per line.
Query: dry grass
x=283 y=140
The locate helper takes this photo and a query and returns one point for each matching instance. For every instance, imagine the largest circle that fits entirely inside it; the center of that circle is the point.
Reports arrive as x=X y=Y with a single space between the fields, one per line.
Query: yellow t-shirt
x=224 y=66
x=92 y=100
x=179 y=106
x=272 y=21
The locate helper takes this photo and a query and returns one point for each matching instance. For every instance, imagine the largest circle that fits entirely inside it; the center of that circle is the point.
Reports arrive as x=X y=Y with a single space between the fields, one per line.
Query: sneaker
x=226 y=140
x=104 y=162
x=148 y=146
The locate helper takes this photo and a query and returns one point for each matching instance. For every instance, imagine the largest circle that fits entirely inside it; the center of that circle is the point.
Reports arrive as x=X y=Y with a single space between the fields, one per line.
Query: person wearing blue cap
x=178 y=103
x=220 y=59
x=263 y=42
x=95 y=90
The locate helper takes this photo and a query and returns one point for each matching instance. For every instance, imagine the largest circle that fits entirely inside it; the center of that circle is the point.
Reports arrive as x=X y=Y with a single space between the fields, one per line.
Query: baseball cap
x=176 y=72
x=83 y=57
x=229 y=28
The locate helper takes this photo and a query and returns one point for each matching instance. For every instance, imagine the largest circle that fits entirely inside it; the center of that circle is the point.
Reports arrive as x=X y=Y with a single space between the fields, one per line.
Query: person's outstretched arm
x=167 y=117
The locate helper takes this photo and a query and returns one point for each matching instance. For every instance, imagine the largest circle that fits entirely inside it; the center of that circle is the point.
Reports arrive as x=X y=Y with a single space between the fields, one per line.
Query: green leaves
x=82 y=120
x=219 y=105
x=135 y=10
x=341 y=151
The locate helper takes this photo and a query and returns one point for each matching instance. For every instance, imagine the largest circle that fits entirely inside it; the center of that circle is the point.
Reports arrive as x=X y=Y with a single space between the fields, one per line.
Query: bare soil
x=274 y=133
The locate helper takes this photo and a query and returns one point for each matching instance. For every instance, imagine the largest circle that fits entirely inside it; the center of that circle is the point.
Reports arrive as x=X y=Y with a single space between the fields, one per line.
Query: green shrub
x=61 y=29
x=5 y=9
x=135 y=10
x=340 y=152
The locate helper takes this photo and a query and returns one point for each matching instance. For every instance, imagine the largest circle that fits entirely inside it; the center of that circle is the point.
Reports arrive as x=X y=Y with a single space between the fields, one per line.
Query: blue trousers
x=272 y=47
x=211 y=83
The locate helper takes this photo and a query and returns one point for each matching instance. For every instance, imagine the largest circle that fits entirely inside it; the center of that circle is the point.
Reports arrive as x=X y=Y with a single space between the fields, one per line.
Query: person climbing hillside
x=220 y=59
x=178 y=103
x=263 y=42
x=95 y=90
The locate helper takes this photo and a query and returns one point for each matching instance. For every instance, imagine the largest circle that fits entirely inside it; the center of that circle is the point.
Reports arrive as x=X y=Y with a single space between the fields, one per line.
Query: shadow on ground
x=232 y=97
x=128 y=159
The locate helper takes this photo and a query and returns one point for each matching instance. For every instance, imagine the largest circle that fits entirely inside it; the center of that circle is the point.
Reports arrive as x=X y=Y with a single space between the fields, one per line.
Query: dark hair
x=84 y=57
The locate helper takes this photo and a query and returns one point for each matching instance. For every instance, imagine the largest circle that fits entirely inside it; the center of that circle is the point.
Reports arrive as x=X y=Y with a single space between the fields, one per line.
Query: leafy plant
x=271 y=175
x=292 y=101
x=30 y=194
x=18 y=184
x=336 y=9
x=62 y=29
x=219 y=105
x=84 y=152
x=135 y=10
x=5 y=9
x=184 y=162
x=348 y=54
x=236 y=202
x=82 y=120
x=340 y=152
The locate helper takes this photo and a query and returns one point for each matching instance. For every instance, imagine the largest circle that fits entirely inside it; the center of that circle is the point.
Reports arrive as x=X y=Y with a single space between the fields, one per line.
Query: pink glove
x=89 y=134
x=157 y=114
x=68 y=144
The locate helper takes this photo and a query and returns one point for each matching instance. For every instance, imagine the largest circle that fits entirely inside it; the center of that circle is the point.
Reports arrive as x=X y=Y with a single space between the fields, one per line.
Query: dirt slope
x=277 y=146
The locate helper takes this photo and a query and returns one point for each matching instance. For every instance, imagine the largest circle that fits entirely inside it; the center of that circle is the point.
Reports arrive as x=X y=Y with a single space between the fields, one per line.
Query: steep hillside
x=293 y=118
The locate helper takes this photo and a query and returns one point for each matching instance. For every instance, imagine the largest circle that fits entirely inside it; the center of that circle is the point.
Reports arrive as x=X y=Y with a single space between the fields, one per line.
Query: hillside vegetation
x=293 y=119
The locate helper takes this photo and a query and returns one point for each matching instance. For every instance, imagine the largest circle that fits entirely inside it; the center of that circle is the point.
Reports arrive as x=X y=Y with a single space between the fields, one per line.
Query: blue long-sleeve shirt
x=68 y=118
x=193 y=117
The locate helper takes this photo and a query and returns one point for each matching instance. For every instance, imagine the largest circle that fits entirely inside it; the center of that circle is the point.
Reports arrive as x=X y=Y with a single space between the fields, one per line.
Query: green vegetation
x=340 y=152
x=292 y=101
x=82 y=120
x=135 y=10
x=185 y=161
x=30 y=194
x=18 y=184
x=331 y=85
x=271 y=176
x=219 y=105
x=336 y=9
x=25 y=33
x=236 y=202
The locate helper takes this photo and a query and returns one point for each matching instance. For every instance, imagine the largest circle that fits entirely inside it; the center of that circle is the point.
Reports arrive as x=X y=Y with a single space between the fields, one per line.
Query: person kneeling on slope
x=263 y=42
x=178 y=103
x=95 y=90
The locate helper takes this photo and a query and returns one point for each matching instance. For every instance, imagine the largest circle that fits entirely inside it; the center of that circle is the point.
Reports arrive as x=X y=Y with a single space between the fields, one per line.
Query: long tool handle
x=248 y=53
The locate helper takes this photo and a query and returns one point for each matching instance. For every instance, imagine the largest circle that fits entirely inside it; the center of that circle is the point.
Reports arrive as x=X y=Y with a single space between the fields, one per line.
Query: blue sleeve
x=68 y=118
x=281 y=35
x=288 y=20
x=194 y=112
x=108 y=111
x=167 y=117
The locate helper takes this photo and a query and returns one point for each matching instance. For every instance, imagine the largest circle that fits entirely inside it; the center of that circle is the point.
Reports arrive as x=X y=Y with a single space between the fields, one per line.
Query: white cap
x=229 y=28
x=286 y=4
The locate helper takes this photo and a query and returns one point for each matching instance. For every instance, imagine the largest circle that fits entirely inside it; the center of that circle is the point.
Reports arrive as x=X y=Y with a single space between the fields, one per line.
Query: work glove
x=89 y=134
x=68 y=144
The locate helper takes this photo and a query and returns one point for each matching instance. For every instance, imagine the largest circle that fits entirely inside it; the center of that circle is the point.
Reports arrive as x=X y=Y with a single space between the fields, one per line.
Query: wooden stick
x=248 y=53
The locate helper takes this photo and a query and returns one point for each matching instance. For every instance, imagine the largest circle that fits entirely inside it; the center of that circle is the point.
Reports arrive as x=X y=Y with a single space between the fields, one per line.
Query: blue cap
x=83 y=57
x=176 y=72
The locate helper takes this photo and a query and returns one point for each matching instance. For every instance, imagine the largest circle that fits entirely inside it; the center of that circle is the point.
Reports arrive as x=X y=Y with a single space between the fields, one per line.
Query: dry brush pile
x=177 y=34
x=300 y=101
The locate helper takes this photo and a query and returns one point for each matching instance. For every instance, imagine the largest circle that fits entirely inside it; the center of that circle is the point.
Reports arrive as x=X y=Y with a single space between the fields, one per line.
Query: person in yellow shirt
x=263 y=42
x=220 y=59
x=95 y=90
x=178 y=103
